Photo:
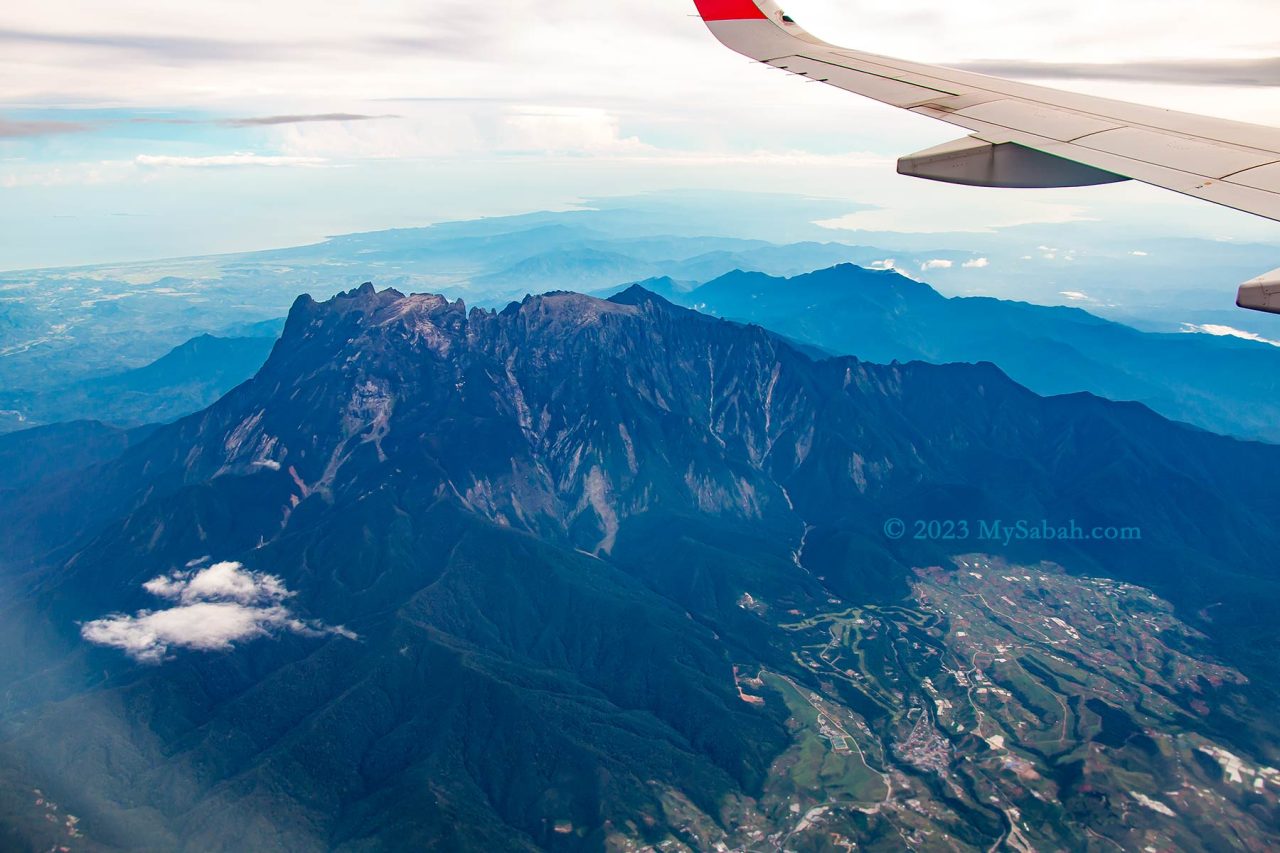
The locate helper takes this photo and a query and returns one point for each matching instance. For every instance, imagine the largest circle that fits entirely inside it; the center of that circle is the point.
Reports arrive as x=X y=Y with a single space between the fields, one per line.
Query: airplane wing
x=1030 y=136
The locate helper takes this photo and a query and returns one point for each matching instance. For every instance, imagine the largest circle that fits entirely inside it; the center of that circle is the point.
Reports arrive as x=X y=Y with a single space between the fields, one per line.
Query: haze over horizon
x=196 y=134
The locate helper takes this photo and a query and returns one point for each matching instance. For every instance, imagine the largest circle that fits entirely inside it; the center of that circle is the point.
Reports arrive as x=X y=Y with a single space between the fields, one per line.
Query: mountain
x=69 y=324
x=1223 y=384
x=184 y=380
x=541 y=578
x=260 y=329
x=578 y=268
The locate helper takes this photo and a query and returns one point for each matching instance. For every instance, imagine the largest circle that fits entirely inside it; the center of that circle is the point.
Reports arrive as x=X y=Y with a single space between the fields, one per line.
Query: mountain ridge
x=187 y=378
x=1224 y=385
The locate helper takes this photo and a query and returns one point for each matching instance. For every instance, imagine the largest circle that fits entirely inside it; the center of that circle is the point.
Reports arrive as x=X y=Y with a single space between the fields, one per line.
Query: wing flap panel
x=1261 y=178
x=1197 y=156
x=1062 y=125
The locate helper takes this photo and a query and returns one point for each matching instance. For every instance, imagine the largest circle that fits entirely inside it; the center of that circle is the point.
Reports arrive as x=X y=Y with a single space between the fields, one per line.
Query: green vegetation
x=1020 y=706
x=823 y=765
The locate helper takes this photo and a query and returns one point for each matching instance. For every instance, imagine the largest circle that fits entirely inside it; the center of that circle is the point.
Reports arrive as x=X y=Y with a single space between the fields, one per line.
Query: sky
x=153 y=128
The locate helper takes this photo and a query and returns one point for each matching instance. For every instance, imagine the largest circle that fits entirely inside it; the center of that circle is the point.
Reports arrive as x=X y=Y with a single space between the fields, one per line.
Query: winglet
x=729 y=10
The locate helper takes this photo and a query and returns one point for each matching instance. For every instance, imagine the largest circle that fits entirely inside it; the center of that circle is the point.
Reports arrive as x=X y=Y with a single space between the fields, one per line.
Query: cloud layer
x=1263 y=71
x=216 y=161
x=1227 y=332
x=268 y=121
x=530 y=104
x=214 y=609
x=31 y=129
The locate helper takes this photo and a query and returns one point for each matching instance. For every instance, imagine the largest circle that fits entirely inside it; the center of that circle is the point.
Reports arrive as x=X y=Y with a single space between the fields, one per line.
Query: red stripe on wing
x=728 y=10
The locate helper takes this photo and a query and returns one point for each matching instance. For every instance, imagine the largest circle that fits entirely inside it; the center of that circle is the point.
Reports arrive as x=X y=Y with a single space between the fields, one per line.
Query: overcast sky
x=150 y=128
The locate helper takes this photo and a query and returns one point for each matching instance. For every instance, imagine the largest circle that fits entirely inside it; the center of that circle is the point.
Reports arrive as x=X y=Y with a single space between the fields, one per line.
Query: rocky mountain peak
x=568 y=416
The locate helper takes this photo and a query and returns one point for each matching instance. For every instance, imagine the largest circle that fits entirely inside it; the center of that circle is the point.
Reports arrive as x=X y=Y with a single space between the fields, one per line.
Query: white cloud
x=496 y=128
x=976 y=264
x=165 y=53
x=941 y=209
x=891 y=265
x=444 y=130
x=224 y=161
x=1075 y=295
x=215 y=608
x=219 y=582
x=1227 y=332
x=1138 y=254
x=559 y=129
x=936 y=264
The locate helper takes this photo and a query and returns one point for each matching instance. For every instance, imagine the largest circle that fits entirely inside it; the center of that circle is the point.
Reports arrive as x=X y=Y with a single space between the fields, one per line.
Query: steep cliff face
x=565 y=416
x=507 y=554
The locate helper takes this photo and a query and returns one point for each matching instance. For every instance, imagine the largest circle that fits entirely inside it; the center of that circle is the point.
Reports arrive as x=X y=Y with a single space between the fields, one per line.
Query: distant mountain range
x=490 y=580
x=1222 y=384
x=65 y=325
x=59 y=326
x=186 y=379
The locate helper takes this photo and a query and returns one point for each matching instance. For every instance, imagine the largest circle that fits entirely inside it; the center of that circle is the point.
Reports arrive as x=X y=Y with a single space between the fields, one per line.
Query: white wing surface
x=1030 y=136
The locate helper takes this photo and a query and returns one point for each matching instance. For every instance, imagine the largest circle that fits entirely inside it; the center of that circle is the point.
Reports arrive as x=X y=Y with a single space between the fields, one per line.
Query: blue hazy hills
x=1223 y=384
x=60 y=325
x=1220 y=383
